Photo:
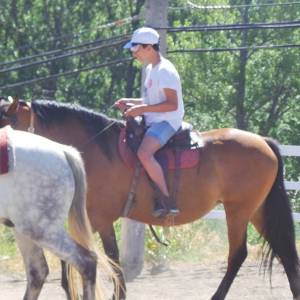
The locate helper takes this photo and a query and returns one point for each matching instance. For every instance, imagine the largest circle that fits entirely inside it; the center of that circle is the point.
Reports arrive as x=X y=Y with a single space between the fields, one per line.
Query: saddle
x=181 y=151
x=136 y=128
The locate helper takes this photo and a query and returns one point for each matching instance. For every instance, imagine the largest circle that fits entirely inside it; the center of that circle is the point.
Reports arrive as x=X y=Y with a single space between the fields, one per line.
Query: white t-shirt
x=163 y=75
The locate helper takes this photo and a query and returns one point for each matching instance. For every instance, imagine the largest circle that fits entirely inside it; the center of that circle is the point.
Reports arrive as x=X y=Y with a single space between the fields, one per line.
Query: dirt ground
x=180 y=281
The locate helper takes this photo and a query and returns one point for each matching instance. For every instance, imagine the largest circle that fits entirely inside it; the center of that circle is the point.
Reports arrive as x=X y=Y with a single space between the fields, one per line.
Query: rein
x=32 y=129
x=100 y=132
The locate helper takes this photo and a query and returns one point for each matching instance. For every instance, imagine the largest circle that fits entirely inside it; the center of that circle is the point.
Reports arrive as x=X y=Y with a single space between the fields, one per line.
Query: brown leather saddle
x=135 y=130
x=179 y=152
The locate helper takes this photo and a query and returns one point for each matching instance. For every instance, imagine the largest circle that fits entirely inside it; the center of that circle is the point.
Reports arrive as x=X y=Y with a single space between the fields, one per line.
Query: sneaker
x=159 y=211
x=173 y=212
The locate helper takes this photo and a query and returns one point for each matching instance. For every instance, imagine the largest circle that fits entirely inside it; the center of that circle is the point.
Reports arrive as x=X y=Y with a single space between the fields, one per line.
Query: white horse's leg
x=85 y=261
x=35 y=265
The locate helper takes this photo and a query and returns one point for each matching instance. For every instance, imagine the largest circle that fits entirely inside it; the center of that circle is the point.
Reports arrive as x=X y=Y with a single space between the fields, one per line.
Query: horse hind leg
x=110 y=246
x=35 y=265
x=83 y=260
x=237 y=235
x=64 y=279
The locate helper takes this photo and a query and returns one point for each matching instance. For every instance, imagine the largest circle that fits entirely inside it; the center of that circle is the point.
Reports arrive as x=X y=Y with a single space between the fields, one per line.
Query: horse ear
x=12 y=109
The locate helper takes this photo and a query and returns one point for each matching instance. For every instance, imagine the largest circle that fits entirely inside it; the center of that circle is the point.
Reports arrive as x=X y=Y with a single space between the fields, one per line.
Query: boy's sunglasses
x=135 y=47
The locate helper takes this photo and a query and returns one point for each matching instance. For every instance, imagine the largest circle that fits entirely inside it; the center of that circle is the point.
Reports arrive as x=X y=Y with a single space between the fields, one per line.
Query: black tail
x=279 y=227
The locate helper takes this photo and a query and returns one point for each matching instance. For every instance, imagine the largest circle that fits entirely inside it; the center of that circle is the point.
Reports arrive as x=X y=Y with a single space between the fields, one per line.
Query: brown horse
x=244 y=171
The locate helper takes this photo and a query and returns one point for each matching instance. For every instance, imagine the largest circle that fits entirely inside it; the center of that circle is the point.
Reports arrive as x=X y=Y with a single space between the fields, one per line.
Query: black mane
x=50 y=112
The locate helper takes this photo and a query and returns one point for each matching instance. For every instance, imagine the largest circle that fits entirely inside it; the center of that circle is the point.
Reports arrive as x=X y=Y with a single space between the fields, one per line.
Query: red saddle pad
x=3 y=151
x=188 y=159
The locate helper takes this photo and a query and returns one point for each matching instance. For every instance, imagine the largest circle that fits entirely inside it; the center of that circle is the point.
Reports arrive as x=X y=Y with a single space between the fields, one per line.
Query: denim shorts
x=162 y=131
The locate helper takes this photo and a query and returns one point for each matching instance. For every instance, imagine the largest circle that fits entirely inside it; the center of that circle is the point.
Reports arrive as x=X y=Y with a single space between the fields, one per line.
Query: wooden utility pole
x=133 y=232
x=156 y=15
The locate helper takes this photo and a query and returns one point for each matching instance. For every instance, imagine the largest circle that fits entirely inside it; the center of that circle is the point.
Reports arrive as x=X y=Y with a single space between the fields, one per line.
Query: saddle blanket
x=3 y=151
x=189 y=158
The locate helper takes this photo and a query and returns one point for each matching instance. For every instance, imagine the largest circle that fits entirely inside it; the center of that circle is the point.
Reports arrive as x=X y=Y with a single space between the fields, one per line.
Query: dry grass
x=14 y=264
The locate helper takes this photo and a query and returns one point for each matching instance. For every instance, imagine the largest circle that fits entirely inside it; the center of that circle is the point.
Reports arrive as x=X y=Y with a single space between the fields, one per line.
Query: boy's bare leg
x=146 y=153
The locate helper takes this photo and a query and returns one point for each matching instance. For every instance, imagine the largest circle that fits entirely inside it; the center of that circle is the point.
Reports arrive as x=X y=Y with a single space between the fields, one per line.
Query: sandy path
x=181 y=281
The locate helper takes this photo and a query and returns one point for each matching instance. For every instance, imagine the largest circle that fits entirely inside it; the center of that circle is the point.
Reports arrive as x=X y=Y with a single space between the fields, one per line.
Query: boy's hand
x=134 y=111
x=121 y=104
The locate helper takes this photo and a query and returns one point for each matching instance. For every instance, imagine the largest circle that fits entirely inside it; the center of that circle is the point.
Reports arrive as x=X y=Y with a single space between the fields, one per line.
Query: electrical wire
x=126 y=60
x=264 y=47
x=68 y=73
x=206 y=28
x=56 y=51
x=191 y=5
x=55 y=58
x=248 y=26
x=119 y=22
x=105 y=44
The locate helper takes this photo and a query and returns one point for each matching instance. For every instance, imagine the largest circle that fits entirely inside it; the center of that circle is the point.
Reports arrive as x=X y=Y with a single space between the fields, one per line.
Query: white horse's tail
x=80 y=227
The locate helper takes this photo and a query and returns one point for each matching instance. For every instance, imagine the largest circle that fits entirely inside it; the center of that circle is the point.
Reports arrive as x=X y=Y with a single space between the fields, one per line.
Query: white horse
x=46 y=183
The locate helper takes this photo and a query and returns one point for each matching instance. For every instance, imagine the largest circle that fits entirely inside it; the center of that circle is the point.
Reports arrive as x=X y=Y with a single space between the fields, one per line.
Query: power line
x=248 y=26
x=5 y=70
x=264 y=47
x=61 y=50
x=122 y=61
x=119 y=22
x=293 y=24
x=206 y=28
x=192 y=5
x=69 y=73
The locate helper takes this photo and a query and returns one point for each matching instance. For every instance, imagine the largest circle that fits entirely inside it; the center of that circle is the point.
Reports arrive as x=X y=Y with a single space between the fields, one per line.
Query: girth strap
x=176 y=179
x=132 y=192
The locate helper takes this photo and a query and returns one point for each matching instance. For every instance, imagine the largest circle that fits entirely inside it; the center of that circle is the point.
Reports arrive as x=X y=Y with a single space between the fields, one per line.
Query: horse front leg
x=110 y=246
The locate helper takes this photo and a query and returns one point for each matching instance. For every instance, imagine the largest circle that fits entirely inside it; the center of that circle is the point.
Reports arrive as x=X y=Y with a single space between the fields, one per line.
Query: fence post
x=132 y=248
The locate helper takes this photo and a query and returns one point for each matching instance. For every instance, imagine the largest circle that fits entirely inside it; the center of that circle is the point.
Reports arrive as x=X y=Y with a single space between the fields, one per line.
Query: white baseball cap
x=144 y=35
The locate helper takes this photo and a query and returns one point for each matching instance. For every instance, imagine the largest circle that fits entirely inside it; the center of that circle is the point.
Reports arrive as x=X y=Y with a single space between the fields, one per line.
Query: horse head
x=14 y=112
